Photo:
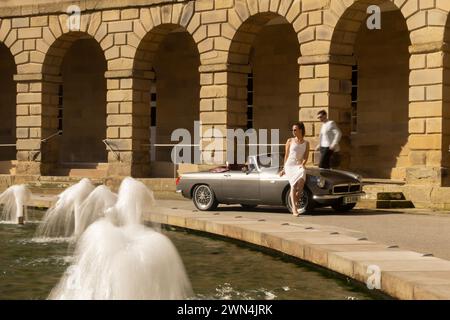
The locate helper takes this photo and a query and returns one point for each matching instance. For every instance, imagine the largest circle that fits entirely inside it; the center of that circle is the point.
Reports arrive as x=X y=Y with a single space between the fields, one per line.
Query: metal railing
x=45 y=140
x=170 y=145
x=110 y=147
x=50 y=137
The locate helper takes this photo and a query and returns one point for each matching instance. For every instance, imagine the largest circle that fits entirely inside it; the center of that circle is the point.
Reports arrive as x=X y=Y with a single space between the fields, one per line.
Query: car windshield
x=270 y=160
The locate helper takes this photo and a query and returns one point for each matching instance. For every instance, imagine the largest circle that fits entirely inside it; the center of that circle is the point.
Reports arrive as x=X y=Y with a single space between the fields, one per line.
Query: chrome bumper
x=337 y=196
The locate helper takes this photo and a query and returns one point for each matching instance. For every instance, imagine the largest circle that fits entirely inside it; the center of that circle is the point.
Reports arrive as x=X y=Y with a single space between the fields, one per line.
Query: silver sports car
x=256 y=183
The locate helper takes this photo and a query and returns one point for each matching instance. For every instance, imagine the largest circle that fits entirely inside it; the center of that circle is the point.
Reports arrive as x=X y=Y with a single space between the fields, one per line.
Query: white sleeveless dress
x=293 y=169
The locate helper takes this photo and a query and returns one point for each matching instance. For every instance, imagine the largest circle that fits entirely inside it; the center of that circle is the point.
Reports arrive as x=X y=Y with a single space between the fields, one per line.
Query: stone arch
x=350 y=20
x=263 y=73
x=166 y=91
x=73 y=101
x=7 y=109
x=369 y=90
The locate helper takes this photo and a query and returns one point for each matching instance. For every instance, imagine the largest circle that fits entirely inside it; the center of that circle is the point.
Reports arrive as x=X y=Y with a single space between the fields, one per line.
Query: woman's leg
x=293 y=202
x=299 y=190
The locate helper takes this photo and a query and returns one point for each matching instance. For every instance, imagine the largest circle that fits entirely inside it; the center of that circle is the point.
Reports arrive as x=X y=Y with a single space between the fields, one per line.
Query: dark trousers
x=325 y=157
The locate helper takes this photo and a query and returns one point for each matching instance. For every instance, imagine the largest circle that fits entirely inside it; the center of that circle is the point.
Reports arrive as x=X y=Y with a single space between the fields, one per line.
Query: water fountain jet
x=15 y=200
x=117 y=257
x=94 y=207
x=63 y=217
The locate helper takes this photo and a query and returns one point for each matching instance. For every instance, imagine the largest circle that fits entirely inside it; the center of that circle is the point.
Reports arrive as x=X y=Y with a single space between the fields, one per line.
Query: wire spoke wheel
x=304 y=202
x=204 y=198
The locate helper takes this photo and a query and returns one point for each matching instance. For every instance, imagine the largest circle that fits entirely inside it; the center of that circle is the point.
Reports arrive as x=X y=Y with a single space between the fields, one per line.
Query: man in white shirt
x=329 y=138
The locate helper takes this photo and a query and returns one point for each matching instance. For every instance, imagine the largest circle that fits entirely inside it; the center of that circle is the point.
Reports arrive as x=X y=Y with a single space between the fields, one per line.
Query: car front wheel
x=204 y=198
x=305 y=202
x=343 y=207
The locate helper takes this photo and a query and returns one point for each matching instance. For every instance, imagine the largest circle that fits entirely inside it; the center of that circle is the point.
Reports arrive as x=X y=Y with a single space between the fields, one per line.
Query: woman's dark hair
x=301 y=126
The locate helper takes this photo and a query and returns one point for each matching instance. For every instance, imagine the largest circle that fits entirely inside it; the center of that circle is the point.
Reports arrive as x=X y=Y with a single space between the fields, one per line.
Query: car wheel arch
x=286 y=190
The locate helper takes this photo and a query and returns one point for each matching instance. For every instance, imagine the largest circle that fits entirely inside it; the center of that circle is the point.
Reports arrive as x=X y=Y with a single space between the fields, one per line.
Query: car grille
x=346 y=188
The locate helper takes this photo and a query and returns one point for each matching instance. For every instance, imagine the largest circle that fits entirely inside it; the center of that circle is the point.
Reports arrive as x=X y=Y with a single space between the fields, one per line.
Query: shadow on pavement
x=316 y=212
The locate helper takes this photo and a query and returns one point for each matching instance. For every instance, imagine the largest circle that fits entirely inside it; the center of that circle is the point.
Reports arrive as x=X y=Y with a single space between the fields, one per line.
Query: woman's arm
x=305 y=158
x=286 y=155
x=286 y=152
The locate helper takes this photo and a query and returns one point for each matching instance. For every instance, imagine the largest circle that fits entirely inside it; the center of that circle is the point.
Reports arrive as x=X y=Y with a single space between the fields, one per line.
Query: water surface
x=218 y=269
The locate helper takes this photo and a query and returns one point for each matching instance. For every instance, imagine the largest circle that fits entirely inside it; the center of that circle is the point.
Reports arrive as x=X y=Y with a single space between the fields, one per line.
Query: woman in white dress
x=295 y=158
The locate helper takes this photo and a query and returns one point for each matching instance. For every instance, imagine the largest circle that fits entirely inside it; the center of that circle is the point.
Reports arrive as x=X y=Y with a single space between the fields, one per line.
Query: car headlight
x=320 y=182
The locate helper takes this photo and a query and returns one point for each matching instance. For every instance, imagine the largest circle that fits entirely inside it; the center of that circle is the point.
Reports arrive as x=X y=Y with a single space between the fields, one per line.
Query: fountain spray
x=119 y=258
x=14 y=200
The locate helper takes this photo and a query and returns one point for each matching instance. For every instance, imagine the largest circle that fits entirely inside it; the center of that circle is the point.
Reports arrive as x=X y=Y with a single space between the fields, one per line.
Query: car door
x=240 y=187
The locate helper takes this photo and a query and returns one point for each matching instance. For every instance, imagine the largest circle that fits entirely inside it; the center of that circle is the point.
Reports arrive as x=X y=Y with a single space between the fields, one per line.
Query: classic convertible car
x=255 y=184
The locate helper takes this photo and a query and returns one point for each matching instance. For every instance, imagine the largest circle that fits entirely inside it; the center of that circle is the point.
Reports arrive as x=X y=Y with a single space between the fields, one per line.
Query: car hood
x=335 y=176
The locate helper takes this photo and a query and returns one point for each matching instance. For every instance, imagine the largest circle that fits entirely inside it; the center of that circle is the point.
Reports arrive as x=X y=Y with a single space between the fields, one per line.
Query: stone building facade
x=133 y=65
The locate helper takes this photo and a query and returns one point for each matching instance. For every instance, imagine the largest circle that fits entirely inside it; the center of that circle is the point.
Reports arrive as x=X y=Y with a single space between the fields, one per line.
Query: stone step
x=53 y=185
x=83 y=169
x=80 y=172
x=386 y=196
x=394 y=204
x=373 y=190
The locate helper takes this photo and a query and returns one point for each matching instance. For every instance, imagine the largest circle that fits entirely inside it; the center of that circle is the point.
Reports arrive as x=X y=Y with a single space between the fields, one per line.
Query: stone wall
x=224 y=32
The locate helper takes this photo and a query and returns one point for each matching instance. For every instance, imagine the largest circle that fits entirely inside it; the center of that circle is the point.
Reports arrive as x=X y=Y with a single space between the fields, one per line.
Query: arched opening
x=267 y=45
x=7 y=110
x=75 y=103
x=167 y=87
x=372 y=99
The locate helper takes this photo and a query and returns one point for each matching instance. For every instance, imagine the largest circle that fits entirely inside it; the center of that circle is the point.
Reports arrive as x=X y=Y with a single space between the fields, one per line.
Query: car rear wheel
x=204 y=198
x=305 y=202
x=343 y=207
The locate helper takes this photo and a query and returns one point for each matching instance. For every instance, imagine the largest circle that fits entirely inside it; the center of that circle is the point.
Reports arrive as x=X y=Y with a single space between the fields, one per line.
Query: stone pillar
x=223 y=105
x=325 y=84
x=427 y=111
x=128 y=123
x=119 y=121
x=142 y=81
x=445 y=149
x=33 y=124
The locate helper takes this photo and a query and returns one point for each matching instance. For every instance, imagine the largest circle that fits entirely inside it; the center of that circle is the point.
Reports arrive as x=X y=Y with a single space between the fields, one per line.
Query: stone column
x=428 y=109
x=128 y=123
x=325 y=84
x=223 y=105
x=36 y=122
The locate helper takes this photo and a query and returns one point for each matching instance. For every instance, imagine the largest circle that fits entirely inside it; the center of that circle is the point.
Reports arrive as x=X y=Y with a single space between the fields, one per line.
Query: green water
x=217 y=269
